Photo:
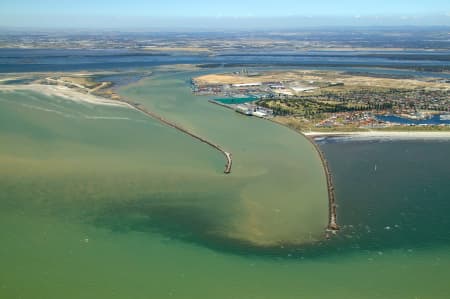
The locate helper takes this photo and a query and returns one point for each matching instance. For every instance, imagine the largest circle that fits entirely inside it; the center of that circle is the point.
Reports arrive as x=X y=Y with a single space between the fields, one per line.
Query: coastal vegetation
x=224 y=149
x=90 y=183
x=330 y=100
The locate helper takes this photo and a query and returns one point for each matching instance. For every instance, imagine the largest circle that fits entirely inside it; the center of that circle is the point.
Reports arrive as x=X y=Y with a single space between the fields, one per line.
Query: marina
x=224 y=149
x=147 y=211
x=381 y=238
x=437 y=119
x=247 y=109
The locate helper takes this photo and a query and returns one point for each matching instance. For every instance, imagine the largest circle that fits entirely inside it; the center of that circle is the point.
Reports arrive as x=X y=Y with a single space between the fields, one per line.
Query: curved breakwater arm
x=227 y=155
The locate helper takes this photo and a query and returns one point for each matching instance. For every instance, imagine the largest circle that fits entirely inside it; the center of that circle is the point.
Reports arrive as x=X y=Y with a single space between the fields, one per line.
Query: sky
x=108 y=13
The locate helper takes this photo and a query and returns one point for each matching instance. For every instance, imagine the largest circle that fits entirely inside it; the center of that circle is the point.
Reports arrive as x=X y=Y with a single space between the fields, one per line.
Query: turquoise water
x=268 y=160
x=104 y=202
x=229 y=101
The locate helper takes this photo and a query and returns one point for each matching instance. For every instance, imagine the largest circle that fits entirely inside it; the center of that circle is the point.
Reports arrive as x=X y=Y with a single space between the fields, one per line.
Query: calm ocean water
x=103 y=202
x=43 y=60
x=392 y=194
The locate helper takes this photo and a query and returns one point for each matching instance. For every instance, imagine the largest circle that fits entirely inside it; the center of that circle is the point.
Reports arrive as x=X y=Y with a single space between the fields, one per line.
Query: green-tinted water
x=103 y=202
x=281 y=177
x=236 y=100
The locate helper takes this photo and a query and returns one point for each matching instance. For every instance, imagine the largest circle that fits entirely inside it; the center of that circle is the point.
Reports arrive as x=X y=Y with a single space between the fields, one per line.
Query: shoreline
x=76 y=96
x=332 y=213
x=400 y=135
x=332 y=225
x=66 y=93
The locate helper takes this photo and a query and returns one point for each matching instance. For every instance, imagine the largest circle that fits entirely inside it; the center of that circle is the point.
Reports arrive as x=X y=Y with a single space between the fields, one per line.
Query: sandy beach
x=66 y=93
x=385 y=134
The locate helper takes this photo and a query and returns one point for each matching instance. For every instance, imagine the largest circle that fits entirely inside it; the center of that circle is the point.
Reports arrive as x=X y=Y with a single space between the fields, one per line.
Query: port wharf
x=332 y=226
x=141 y=108
x=246 y=109
x=332 y=211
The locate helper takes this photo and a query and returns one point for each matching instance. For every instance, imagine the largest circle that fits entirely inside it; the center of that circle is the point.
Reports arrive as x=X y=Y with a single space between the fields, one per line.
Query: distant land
x=271 y=42
x=315 y=79
x=272 y=164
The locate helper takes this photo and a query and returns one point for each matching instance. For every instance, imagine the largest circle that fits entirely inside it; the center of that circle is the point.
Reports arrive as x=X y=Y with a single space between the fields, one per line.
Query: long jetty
x=227 y=155
x=332 y=214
